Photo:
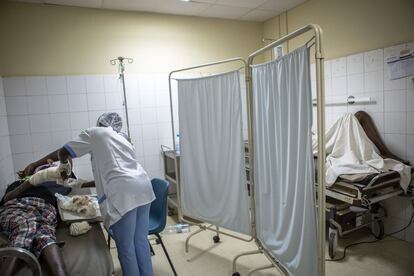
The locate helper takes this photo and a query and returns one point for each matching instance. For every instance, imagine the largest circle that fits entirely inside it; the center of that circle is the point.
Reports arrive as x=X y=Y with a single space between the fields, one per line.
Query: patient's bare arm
x=17 y=191
x=88 y=184
x=49 y=174
x=63 y=155
x=58 y=155
x=29 y=170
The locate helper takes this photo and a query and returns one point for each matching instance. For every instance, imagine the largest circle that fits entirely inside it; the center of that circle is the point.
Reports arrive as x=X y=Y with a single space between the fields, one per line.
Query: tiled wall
x=44 y=112
x=6 y=162
x=366 y=75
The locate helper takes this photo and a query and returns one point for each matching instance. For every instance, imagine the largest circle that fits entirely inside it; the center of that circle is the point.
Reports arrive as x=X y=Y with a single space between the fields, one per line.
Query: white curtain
x=283 y=162
x=213 y=177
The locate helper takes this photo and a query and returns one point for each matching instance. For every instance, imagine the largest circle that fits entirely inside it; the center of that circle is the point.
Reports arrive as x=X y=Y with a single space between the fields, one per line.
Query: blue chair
x=157 y=216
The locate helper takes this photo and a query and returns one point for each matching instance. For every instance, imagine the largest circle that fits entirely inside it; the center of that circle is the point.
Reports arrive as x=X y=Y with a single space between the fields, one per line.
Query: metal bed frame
x=24 y=255
x=375 y=191
x=181 y=217
x=354 y=205
x=315 y=41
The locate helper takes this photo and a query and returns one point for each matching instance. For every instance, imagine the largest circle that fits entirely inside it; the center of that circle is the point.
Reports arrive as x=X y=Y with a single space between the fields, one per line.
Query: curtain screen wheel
x=216 y=239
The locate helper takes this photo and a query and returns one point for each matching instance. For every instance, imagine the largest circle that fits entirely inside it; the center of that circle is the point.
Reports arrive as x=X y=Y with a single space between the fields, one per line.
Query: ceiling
x=248 y=10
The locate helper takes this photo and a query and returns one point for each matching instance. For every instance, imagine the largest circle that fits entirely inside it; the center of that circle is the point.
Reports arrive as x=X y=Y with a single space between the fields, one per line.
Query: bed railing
x=24 y=255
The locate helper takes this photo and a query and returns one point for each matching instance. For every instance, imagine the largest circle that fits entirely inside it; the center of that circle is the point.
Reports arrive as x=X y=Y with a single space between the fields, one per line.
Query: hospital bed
x=353 y=201
x=87 y=254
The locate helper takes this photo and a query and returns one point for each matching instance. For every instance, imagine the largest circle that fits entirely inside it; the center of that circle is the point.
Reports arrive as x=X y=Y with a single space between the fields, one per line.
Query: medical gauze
x=79 y=228
x=46 y=175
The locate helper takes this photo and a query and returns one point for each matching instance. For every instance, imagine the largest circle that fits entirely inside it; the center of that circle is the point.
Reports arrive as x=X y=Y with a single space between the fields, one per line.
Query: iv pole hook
x=121 y=69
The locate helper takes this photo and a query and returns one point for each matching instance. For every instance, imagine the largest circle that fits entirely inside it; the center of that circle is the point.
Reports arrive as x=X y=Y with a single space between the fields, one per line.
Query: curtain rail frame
x=179 y=208
x=319 y=57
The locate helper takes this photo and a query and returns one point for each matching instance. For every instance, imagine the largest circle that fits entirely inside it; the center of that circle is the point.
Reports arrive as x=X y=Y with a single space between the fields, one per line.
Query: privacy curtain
x=213 y=178
x=283 y=162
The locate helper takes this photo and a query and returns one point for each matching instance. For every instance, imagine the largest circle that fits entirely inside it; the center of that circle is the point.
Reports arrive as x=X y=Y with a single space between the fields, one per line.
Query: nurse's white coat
x=121 y=183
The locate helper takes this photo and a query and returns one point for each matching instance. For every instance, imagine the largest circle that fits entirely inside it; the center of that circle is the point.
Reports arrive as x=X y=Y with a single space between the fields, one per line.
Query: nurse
x=123 y=187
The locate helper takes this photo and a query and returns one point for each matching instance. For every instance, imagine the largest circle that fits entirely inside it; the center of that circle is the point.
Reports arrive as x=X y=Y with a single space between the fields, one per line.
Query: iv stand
x=121 y=70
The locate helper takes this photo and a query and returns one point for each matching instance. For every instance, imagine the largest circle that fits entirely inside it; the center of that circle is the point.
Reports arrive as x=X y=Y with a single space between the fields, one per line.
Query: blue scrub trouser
x=130 y=234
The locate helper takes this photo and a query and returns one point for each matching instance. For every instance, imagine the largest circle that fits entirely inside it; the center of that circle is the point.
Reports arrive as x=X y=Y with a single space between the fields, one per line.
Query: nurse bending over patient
x=123 y=187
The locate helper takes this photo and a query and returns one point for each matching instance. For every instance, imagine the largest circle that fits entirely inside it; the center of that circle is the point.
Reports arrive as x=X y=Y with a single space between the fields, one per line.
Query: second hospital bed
x=353 y=202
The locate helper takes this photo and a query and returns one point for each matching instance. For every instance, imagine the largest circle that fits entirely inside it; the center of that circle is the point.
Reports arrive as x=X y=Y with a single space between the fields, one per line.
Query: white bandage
x=79 y=228
x=65 y=167
x=74 y=183
x=79 y=204
x=46 y=175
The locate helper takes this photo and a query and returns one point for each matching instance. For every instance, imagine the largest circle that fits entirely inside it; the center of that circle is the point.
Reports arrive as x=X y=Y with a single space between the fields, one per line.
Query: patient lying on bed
x=29 y=218
x=350 y=151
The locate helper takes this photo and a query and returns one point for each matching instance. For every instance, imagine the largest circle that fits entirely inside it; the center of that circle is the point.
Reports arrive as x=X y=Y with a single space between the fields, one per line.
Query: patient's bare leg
x=53 y=259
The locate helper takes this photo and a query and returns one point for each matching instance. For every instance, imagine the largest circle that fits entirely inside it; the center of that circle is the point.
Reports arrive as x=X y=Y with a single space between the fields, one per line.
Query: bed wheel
x=378 y=230
x=236 y=274
x=332 y=244
x=216 y=239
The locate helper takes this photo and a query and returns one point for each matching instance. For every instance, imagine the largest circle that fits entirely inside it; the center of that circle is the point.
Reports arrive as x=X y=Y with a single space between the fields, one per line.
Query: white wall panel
x=6 y=159
x=47 y=111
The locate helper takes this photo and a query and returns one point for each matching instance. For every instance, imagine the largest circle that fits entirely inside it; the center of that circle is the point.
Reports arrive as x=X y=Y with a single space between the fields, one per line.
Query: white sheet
x=213 y=177
x=349 y=151
x=283 y=162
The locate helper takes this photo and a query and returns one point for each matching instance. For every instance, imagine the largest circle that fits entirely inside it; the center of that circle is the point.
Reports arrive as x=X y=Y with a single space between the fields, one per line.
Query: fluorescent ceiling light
x=185 y=0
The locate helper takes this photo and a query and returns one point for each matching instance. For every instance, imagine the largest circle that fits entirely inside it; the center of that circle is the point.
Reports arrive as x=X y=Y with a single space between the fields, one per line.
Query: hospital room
x=206 y=138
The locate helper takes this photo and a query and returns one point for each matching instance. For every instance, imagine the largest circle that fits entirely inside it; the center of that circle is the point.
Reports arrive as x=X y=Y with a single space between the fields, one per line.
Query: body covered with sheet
x=350 y=151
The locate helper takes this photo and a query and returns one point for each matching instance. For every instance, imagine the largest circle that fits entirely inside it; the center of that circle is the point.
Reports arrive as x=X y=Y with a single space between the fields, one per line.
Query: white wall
x=44 y=112
x=63 y=40
x=6 y=162
x=365 y=74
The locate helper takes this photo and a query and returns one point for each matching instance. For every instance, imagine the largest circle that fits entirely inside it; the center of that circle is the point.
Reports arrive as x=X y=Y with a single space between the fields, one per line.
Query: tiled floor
x=388 y=257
